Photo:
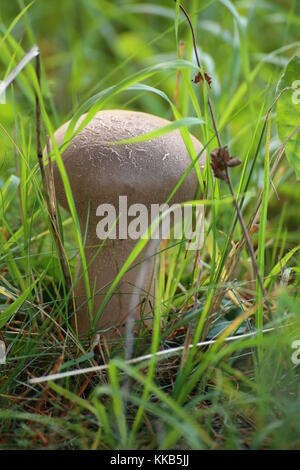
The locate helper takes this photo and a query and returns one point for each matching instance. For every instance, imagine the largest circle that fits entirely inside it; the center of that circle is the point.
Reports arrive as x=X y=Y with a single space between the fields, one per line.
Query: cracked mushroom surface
x=99 y=172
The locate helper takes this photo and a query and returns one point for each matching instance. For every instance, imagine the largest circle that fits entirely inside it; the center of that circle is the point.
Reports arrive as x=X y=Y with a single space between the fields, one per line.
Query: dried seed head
x=220 y=160
x=198 y=78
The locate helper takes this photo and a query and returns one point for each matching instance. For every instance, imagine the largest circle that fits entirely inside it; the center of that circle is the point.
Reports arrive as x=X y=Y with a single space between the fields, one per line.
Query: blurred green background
x=89 y=45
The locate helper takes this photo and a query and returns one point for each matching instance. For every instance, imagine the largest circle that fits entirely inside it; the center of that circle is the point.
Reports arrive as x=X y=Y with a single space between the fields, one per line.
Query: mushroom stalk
x=100 y=175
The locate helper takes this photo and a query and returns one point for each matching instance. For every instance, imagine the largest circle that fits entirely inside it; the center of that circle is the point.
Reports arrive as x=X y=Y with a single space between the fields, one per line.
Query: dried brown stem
x=201 y=68
x=49 y=194
x=228 y=179
x=234 y=254
x=246 y=235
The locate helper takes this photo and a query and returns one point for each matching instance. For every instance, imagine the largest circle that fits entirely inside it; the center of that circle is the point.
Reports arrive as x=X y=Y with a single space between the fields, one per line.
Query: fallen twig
x=137 y=360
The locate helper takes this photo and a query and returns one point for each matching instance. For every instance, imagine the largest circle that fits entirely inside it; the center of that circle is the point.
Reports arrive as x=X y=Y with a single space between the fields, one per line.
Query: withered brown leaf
x=198 y=78
x=220 y=160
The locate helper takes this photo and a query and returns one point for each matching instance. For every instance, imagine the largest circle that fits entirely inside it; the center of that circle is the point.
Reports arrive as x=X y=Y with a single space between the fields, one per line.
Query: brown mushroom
x=99 y=172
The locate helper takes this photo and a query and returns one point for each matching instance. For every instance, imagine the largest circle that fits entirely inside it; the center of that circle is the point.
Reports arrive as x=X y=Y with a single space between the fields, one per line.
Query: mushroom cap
x=145 y=172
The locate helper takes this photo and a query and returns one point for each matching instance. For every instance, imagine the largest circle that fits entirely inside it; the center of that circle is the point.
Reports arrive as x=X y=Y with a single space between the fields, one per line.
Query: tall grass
x=217 y=371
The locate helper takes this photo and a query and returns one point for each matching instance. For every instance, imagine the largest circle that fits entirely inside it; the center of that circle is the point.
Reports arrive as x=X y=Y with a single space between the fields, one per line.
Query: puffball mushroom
x=99 y=172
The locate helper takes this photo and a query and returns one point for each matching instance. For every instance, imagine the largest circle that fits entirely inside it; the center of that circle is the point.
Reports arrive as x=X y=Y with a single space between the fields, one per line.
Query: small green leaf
x=15 y=306
x=288 y=112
